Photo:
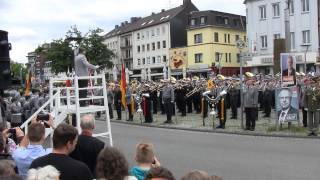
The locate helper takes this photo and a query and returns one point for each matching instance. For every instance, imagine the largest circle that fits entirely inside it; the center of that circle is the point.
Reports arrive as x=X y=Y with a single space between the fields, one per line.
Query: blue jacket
x=138 y=172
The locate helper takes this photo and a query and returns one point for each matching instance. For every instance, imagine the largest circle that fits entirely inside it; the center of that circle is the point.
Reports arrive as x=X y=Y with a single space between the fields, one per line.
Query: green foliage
x=61 y=51
x=61 y=56
x=16 y=68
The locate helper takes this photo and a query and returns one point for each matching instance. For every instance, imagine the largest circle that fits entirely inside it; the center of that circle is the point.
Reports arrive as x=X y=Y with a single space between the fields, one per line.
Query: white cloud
x=33 y=22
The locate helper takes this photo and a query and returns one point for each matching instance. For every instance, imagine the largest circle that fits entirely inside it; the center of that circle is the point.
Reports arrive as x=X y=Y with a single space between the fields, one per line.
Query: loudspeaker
x=5 y=73
x=5 y=46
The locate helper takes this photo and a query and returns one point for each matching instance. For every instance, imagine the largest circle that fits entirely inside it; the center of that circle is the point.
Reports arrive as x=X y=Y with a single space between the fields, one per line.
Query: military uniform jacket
x=312 y=99
x=251 y=96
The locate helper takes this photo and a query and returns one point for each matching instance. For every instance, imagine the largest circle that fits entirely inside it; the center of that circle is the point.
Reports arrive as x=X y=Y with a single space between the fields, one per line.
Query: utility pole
x=287 y=26
x=240 y=45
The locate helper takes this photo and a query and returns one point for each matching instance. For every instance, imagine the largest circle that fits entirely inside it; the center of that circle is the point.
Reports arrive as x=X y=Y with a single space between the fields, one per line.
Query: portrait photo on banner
x=288 y=69
x=287 y=104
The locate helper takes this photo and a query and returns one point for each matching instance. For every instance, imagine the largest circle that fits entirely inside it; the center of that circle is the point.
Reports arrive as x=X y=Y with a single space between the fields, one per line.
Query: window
x=142 y=35
x=144 y=61
x=152 y=32
x=226 y=21
x=238 y=58
x=164 y=44
x=237 y=38
x=139 y=62
x=230 y=57
x=138 y=49
x=276 y=36
x=217 y=56
x=291 y=7
x=226 y=55
x=306 y=37
x=216 y=37
x=276 y=9
x=225 y=38
x=143 y=48
x=293 y=41
x=148 y=60
x=163 y=30
x=138 y=36
x=198 y=58
x=228 y=38
x=148 y=47
x=147 y=34
x=153 y=46
x=245 y=38
x=158 y=31
x=203 y=20
x=264 y=43
x=305 y=5
x=159 y=59
x=197 y=38
x=158 y=45
x=263 y=12
x=153 y=60
x=164 y=58
x=193 y=22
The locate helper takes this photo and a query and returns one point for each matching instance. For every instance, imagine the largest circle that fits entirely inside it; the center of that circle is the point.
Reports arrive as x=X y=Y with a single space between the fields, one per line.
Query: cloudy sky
x=33 y=22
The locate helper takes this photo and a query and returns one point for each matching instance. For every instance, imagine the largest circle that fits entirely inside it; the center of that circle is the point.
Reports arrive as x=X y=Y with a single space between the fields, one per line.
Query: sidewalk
x=194 y=122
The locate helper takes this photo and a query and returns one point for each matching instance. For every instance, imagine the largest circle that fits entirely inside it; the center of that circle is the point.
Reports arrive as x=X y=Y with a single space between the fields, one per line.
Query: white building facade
x=266 y=22
x=113 y=44
x=151 y=49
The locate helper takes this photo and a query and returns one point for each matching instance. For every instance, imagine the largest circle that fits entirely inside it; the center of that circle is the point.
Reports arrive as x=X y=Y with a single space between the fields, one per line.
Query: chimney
x=186 y=2
x=163 y=10
x=153 y=13
x=126 y=22
x=116 y=27
x=122 y=24
x=134 y=19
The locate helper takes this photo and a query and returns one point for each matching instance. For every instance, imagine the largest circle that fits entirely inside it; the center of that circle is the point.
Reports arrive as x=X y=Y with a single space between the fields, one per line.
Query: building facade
x=151 y=38
x=266 y=22
x=212 y=38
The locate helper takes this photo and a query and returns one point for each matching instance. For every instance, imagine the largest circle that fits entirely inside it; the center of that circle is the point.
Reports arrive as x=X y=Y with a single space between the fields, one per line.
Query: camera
x=43 y=117
x=12 y=131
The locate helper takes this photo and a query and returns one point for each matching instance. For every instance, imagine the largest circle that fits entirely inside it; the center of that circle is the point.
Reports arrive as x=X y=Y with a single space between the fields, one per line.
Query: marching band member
x=147 y=104
x=168 y=100
x=250 y=103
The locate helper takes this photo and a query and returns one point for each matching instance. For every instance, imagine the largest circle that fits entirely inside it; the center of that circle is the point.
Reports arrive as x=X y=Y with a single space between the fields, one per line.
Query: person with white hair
x=88 y=147
x=46 y=173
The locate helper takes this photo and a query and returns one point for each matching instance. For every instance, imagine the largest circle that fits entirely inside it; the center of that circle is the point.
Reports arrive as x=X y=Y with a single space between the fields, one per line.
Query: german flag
x=123 y=86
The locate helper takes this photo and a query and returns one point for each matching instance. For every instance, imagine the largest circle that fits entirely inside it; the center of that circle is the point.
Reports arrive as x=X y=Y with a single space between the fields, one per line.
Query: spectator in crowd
x=112 y=165
x=88 y=147
x=45 y=173
x=7 y=170
x=30 y=148
x=196 y=175
x=64 y=142
x=159 y=173
x=145 y=158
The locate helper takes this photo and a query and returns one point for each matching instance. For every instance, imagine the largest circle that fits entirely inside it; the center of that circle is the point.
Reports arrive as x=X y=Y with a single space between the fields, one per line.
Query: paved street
x=231 y=156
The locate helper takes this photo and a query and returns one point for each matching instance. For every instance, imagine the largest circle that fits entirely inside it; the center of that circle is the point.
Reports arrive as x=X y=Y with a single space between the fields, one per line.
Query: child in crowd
x=145 y=159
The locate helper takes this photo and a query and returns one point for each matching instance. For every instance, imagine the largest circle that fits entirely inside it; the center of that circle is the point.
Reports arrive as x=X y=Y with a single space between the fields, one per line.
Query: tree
x=16 y=69
x=61 y=56
x=92 y=42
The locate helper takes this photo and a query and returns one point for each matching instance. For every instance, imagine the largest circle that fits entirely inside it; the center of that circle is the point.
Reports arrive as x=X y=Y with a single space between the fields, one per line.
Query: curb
x=213 y=131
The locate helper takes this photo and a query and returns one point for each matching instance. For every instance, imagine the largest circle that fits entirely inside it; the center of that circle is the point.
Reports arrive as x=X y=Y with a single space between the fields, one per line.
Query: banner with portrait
x=288 y=69
x=287 y=104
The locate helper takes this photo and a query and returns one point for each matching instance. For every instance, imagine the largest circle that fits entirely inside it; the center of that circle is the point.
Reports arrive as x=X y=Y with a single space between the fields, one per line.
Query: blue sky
x=33 y=22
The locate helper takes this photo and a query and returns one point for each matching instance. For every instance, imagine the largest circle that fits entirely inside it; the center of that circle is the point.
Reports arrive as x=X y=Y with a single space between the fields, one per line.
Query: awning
x=199 y=70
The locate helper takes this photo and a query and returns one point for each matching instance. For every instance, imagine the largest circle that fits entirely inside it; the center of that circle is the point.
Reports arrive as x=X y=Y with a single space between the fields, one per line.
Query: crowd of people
x=76 y=157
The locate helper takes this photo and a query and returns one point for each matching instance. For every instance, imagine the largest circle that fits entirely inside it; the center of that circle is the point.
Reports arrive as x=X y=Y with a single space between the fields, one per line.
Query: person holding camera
x=31 y=145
